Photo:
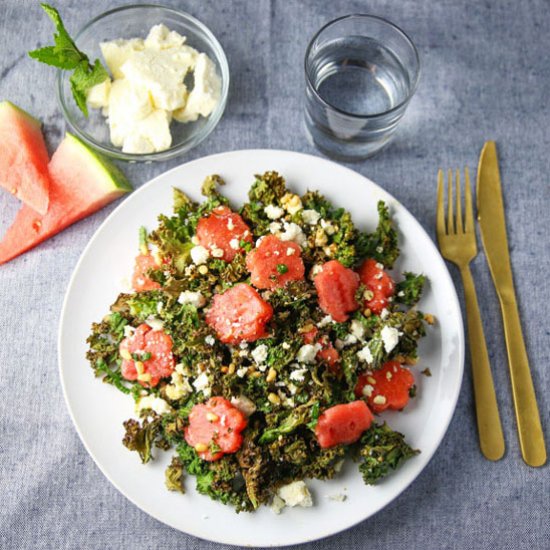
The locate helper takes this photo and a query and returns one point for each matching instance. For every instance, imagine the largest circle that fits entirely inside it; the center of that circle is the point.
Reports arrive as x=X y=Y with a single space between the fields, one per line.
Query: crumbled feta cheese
x=205 y=93
x=384 y=314
x=307 y=353
x=242 y=371
x=244 y=404
x=311 y=217
x=291 y=203
x=290 y=251
x=365 y=354
x=293 y=232
x=217 y=252
x=295 y=494
x=154 y=323
x=275 y=227
x=156 y=404
x=390 y=338
x=259 y=353
x=230 y=224
x=298 y=375
x=326 y=320
x=199 y=255
x=202 y=383
x=209 y=340
x=285 y=345
x=357 y=329
x=277 y=504
x=401 y=294
x=192 y=298
x=273 y=212
x=328 y=227
x=234 y=244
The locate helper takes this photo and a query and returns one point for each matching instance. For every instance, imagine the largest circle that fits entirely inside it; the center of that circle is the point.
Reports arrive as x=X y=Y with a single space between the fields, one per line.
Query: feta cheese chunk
x=311 y=217
x=357 y=329
x=192 y=298
x=295 y=494
x=117 y=52
x=293 y=232
x=390 y=338
x=160 y=37
x=307 y=353
x=365 y=354
x=259 y=353
x=154 y=323
x=277 y=504
x=202 y=383
x=244 y=404
x=199 y=255
x=205 y=93
x=273 y=212
x=156 y=404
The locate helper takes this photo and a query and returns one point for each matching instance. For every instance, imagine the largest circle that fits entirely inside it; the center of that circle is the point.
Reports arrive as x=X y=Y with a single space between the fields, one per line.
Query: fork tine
x=469 y=219
x=450 y=217
x=459 y=228
x=440 y=218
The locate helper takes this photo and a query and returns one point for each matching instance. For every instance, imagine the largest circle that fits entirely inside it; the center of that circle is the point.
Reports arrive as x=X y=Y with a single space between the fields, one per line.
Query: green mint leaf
x=65 y=55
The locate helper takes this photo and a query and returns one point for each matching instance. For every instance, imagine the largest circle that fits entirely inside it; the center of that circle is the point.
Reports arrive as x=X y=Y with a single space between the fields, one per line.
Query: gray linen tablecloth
x=485 y=75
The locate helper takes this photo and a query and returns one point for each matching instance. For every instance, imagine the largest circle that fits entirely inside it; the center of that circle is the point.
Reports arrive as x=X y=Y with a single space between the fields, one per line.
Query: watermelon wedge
x=82 y=182
x=23 y=157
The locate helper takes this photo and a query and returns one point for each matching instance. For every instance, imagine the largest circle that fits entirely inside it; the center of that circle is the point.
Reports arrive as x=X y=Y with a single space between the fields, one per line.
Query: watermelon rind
x=114 y=178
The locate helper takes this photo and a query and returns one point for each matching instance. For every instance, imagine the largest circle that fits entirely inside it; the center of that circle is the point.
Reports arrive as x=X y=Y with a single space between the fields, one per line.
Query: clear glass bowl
x=134 y=21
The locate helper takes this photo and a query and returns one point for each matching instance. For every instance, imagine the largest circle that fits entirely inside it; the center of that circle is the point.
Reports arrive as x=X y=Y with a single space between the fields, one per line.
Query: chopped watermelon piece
x=222 y=232
x=24 y=158
x=343 y=424
x=147 y=356
x=215 y=428
x=336 y=286
x=239 y=315
x=81 y=183
x=386 y=388
x=143 y=264
x=274 y=263
x=379 y=283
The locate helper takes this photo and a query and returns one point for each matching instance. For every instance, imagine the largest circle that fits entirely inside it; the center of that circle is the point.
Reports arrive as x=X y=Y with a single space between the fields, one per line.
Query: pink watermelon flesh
x=81 y=183
x=23 y=157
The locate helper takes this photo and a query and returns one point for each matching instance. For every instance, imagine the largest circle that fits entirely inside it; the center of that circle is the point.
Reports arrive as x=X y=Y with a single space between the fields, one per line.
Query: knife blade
x=492 y=223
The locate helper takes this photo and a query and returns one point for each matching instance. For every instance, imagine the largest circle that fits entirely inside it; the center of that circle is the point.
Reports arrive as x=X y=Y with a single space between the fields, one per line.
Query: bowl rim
x=174 y=150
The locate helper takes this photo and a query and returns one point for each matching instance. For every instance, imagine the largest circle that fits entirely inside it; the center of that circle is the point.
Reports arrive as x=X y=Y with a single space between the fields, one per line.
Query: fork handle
x=491 y=439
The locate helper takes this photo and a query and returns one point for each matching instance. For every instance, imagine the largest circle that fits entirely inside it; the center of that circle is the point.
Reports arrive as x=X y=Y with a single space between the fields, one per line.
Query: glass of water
x=361 y=72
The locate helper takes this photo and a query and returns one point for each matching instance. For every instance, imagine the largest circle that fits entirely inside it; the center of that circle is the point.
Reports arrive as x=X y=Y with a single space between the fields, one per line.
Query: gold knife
x=490 y=209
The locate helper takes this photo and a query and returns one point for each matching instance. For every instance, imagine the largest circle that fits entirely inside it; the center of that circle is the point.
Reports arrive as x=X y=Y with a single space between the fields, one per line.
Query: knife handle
x=491 y=439
x=531 y=437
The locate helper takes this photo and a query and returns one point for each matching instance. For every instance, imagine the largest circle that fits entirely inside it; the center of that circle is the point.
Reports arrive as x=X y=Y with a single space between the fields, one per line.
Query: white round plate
x=98 y=410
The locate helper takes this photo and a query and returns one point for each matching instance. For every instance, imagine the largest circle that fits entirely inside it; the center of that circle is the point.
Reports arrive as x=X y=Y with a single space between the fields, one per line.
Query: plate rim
x=455 y=303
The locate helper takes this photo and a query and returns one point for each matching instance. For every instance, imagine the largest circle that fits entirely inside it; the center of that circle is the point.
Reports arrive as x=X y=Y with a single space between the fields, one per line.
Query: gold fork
x=457 y=242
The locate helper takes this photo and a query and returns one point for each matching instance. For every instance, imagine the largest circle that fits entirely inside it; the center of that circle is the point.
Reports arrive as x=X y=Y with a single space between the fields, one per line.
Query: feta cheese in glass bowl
x=168 y=87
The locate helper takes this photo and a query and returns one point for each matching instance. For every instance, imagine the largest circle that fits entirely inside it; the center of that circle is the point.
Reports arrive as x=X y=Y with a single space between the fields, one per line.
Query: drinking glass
x=361 y=73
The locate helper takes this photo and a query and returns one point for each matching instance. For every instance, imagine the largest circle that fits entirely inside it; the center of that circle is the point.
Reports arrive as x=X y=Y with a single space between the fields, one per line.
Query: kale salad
x=261 y=343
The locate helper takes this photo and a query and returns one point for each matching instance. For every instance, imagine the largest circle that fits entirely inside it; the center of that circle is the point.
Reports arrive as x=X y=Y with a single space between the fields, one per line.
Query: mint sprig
x=65 y=55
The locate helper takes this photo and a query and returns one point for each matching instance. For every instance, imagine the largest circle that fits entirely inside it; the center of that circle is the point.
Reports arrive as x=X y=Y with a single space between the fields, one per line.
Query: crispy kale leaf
x=382 y=450
x=174 y=476
x=142 y=436
x=409 y=291
x=382 y=244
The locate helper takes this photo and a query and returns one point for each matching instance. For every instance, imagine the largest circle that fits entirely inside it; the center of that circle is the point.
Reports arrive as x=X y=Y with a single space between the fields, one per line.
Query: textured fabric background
x=485 y=74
